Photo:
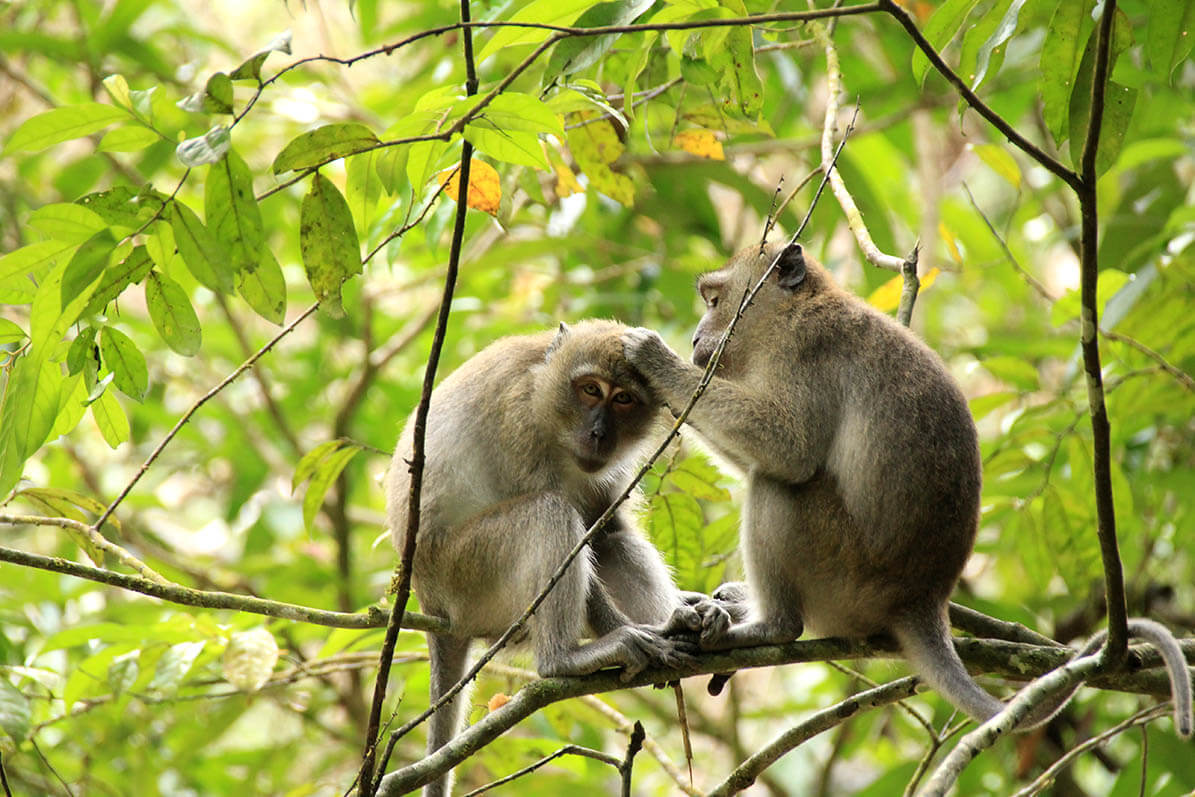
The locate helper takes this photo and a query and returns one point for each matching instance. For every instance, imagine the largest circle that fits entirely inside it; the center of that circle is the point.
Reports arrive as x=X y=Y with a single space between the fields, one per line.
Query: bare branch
x=94 y=537
x=210 y=599
x=571 y=749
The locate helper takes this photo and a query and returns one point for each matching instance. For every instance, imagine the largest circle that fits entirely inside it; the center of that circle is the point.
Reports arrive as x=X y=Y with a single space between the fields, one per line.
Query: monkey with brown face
x=862 y=467
x=527 y=444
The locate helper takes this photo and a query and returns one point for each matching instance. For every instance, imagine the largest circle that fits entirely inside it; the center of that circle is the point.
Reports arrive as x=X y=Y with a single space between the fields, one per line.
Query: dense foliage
x=173 y=196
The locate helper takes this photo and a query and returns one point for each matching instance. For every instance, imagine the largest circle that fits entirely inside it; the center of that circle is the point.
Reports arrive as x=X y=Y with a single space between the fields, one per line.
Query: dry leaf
x=485 y=190
x=701 y=143
x=498 y=701
x=566 y=181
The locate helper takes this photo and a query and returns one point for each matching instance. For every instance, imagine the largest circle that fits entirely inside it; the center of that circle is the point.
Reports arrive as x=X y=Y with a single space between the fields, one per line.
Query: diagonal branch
x=1025 y=145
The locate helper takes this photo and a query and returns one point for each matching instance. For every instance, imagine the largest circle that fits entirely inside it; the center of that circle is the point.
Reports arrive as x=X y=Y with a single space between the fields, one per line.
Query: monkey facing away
x=862 y=469
x=527 y=444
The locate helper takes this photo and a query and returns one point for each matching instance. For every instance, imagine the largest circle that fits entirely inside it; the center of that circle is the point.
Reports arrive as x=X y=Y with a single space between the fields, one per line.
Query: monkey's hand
x=647 y=352
x=642 y=646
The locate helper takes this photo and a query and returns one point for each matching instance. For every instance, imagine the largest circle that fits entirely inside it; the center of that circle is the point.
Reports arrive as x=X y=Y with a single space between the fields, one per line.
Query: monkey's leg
x=448 y=655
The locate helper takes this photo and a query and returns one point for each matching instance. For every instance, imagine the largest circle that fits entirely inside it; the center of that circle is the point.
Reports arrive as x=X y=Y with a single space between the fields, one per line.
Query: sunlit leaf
x=264 y=288
x=125 y=361
x=328 y=240
x=939 y=30
x=485 y=188
x=172 y=314
x=324 y=144
x=231 y=211
x=62 y=124
x=204 y=255
x=117 y=277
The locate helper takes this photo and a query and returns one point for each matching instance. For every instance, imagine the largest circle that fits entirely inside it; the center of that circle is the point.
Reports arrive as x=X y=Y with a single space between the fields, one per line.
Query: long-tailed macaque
x=527 y=444
x=862 y=467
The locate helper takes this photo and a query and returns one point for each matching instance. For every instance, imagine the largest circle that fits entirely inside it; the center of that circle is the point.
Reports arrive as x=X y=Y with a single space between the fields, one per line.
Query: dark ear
x=558 y=341
x=791 y=266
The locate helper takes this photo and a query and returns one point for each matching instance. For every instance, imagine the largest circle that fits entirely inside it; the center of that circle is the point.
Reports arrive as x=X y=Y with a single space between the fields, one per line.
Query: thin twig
x=1005 y=720
x=194 y=407
x=4 y=777
x=971 y=98
x=1045 y=779
x=634 y=745
x=571 y=749
x=368 y=783
x=93 y=536
x=746 y=773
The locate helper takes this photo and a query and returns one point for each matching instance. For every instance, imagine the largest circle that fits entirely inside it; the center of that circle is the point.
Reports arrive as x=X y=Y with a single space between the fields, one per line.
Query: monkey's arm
x=753 y=431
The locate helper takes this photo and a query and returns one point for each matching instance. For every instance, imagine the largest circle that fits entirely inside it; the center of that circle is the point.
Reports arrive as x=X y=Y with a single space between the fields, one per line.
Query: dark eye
x=590 y=389
x=624 y=399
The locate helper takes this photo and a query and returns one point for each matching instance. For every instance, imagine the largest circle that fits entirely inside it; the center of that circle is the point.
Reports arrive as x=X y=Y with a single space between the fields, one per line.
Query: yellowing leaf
x=887 y=296
x=566 y=181
x=485 y=189
x=951 y=243
x=701 y=143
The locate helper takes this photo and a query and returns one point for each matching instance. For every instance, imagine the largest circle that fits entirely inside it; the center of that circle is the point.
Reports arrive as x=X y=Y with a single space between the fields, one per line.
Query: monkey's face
x=608 y=418
x=717 y=292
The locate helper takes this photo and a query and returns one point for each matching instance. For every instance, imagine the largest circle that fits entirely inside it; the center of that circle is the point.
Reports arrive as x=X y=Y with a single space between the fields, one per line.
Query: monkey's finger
x=684 y=620
x=717 y=682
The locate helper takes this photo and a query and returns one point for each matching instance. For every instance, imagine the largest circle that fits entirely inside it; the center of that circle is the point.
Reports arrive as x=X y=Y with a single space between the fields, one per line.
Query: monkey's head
x=722 y=290
x=603 y=405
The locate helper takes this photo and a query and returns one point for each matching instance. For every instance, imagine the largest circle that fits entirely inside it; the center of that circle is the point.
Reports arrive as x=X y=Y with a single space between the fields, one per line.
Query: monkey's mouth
x=590 y=464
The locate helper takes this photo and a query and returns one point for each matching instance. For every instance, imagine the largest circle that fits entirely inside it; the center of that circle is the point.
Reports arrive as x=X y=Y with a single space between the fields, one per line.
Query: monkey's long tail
x=924 y=637
x=925 y=640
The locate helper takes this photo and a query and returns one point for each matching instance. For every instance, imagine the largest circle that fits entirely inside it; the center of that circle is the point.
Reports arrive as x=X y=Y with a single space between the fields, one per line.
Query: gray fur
x=862 y=467
x=506 y=497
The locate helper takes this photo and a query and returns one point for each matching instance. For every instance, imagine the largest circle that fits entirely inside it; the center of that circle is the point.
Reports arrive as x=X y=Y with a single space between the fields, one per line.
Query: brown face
x=719 y=309
x=609 y=414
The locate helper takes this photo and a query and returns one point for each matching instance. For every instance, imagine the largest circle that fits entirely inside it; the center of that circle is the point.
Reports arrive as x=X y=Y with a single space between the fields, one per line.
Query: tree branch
x=1118 y=635
x=1007 y=658
x=374 y=617
x=972 y=99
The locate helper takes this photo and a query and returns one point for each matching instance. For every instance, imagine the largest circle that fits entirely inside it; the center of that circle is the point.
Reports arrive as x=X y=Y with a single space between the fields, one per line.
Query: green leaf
x=88 y=263
x=172 y=314
x=125 y=361
x=264 y=288
x=130 y=138
x=976 y=37
x=1119 y=102
x=515 y=147
x=82 y=348
x=547 y=12
x=1013 y=370
x=204 y=255
x=673 y=524
x=1000 y=161
x=328 y=241
x=249 y=658
x=21 y=268
x=577 y=53
x=72 y=403
x=1004 y=32
x=67 y=222
x=116 y=278
x=1169 y=35
x=231 y=211
x=311 y=461
x=939 y=30
x=523 y=112
x=122 y=206
x=250 y=69
x=423 y=160
x=62 y=124
x=110 y=418
x=325 y=473
x=174 y=666
x=741 y=90
x=16 y=715
x=324 y=144
x=10 y=332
